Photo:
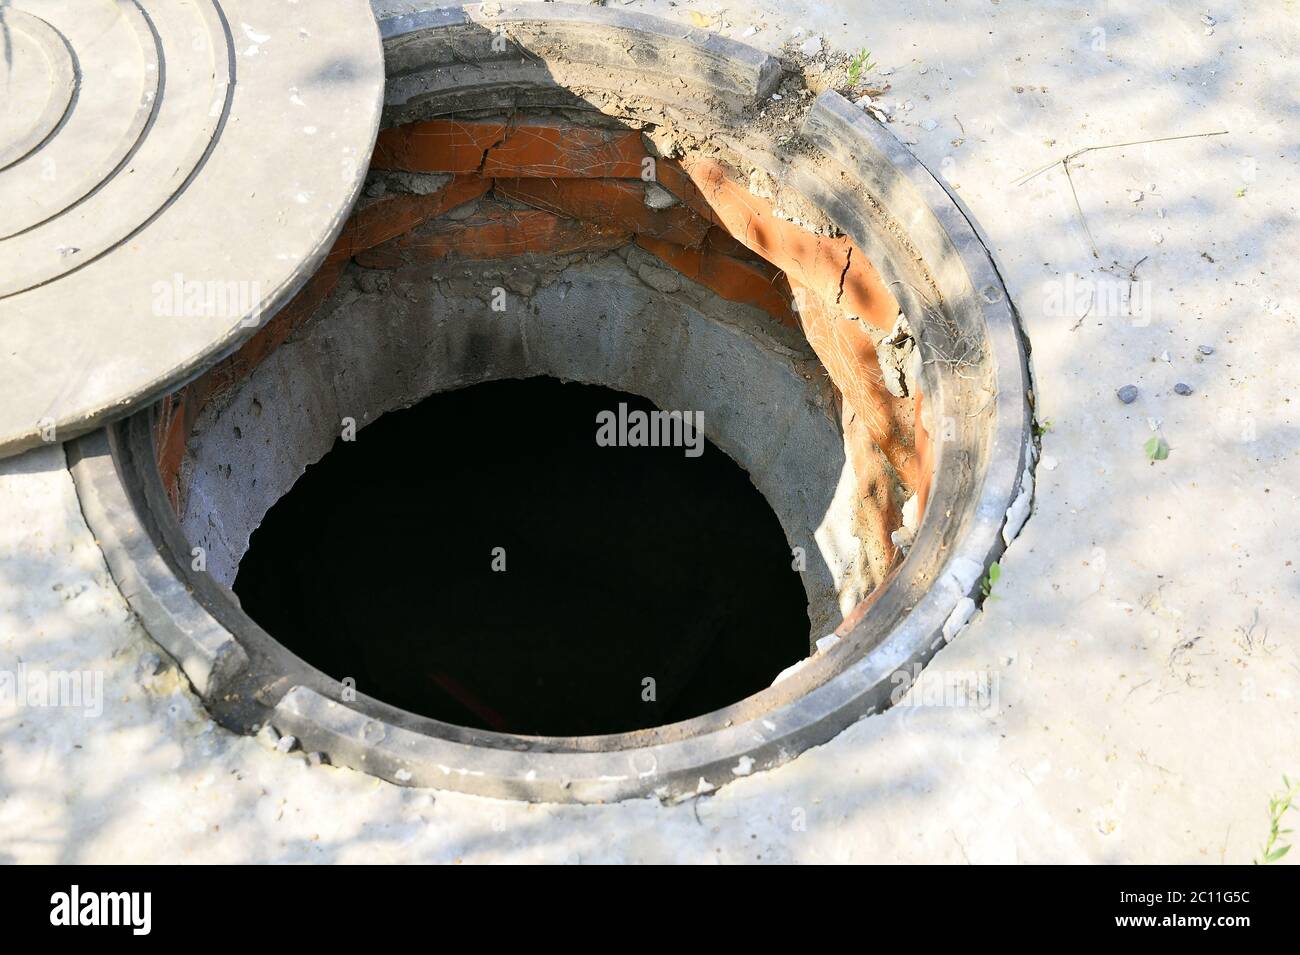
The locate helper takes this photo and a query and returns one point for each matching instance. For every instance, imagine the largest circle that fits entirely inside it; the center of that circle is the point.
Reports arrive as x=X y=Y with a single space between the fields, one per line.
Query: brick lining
x=546 y=187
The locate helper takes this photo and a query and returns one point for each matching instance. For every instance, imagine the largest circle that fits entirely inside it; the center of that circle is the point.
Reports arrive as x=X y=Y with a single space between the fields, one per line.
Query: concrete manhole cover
x=172 y=172
x=542 y=203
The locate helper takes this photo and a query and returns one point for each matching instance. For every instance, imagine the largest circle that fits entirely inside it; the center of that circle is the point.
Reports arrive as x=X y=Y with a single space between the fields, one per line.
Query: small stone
x=1128 y=394
x=811 y=47
x=1164 y=356
x=1182 y=389
x=402 y=775
x=1208 y=20
x=1205 y=349
x=929 y=125
x=1157 y=236
x=317 y=759
x=657 y=197
x=1135 y=195
x=286 y=744
x=1049 y=463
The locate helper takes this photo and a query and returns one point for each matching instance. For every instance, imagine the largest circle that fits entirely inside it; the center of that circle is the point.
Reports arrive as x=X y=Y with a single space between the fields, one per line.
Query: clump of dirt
x=810 y=70
x=852 y=75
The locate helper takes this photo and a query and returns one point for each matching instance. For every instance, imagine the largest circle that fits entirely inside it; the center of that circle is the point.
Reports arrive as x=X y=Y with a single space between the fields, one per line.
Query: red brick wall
x=584 y=190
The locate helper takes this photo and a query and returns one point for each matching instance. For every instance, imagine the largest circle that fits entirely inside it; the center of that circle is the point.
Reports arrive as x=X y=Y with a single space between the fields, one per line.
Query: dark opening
x=622 y=564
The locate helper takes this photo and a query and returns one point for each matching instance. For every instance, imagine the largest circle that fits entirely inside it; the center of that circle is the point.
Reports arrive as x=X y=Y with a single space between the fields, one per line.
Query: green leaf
x=1157 y=448
x=1277 y=854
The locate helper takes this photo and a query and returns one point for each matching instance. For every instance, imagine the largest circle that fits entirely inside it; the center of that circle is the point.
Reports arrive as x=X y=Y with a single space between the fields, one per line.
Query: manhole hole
x=568 y=199
x=480 y=559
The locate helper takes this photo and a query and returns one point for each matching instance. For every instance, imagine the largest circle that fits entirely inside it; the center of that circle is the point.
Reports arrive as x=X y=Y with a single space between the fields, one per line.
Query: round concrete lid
x=171 y=172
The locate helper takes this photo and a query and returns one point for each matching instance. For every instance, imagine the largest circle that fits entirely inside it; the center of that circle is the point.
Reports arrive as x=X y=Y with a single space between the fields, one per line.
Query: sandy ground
x=1143 y=639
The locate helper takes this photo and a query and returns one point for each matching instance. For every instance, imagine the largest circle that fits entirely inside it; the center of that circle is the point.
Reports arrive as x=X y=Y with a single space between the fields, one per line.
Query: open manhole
x=480 y=559
x=451 y=572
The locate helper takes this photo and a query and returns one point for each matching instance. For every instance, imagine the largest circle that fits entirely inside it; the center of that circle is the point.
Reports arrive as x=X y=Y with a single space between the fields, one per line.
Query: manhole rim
x=805 y=710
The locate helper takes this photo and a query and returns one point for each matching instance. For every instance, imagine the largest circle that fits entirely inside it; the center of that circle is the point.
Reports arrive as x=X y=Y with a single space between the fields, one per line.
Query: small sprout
x=1157 y=448
x=1241 y=193
x=1278 y=806
x=990 y=580
x=859 y=64
x=1043 y=427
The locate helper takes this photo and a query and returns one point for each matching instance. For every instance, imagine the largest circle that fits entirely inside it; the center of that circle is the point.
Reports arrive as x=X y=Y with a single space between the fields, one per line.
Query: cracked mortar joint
x=898 y=357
